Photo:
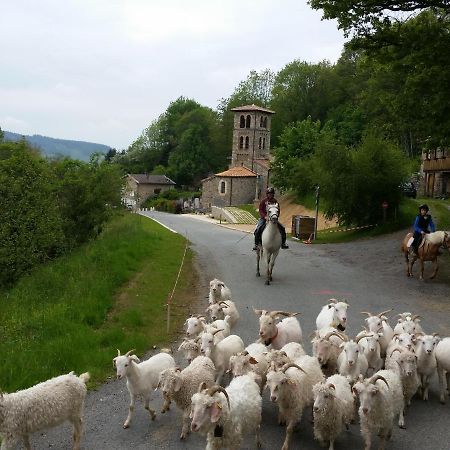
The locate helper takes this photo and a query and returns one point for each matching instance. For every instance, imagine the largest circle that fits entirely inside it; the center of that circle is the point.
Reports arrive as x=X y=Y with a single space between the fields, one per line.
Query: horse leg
x=269 y=272
x=436 y=268
x=422 y=268
x=258 y=257
x=408 y=273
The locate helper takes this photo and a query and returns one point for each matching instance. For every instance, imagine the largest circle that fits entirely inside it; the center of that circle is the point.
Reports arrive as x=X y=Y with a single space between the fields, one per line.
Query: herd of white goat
x=373 y=375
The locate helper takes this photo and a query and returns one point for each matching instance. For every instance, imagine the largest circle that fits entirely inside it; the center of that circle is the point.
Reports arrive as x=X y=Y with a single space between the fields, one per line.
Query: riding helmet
x=425 y=207
x=270 y=190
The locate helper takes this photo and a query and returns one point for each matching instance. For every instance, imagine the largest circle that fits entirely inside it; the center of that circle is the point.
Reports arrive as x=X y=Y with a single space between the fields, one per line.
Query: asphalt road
x=369 y=274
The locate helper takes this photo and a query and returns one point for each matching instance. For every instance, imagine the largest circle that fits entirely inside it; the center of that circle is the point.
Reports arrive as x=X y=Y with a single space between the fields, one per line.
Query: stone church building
x=248 y=176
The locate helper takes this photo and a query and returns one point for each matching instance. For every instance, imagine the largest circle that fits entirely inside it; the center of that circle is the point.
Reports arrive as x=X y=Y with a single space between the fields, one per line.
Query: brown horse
x=428 y=251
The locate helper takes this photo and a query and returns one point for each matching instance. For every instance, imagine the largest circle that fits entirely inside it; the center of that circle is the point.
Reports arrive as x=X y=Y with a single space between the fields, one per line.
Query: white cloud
x=102 y=71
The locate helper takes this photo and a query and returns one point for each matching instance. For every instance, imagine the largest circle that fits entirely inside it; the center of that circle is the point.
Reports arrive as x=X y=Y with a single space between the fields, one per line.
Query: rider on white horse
x=270 y=199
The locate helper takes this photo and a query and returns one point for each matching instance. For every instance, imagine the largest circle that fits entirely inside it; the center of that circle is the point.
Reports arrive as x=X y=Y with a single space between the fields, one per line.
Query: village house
x=248 y=176
x=436 y=172
x=140 y=186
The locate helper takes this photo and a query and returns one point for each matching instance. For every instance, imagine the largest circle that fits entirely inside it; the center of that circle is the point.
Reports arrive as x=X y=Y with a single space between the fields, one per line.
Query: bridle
x=273 y=212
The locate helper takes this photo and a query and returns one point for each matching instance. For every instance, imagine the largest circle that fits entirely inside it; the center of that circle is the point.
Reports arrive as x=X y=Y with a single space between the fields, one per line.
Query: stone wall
x=228 y=191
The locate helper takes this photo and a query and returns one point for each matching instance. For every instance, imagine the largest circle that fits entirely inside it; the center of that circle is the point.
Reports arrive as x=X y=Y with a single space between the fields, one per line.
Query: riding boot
x=283 y=236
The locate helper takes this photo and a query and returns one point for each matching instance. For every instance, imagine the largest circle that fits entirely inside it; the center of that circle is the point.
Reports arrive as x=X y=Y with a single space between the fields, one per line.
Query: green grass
x=404 y=219
x=251 y=209
x=73 y=313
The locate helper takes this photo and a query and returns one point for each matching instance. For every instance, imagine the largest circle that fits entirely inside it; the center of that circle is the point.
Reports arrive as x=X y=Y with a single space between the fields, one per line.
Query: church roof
x=239 y=171
x=253 y=108
x=263 y=162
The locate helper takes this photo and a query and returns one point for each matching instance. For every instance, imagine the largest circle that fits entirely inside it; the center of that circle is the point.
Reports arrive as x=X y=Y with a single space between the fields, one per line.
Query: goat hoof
x=125 y=426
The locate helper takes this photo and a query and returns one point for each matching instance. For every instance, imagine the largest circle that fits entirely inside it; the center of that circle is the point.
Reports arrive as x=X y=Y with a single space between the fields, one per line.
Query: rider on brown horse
x=269 y=199
x=423 y=223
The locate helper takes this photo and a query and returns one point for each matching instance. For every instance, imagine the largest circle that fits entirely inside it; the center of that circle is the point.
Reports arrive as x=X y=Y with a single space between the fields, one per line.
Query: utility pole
x=317 y=210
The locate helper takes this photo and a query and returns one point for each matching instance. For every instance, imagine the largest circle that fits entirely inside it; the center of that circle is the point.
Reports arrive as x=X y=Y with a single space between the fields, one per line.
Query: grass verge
x=251 y=209
x=73 y=313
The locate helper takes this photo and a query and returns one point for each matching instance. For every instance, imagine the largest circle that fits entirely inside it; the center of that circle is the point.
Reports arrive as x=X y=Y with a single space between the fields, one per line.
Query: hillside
x=56 y=147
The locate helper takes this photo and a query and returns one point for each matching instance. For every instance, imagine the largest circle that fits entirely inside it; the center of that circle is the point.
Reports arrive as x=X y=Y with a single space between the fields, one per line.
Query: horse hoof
x=267 y=282
x=258 y=274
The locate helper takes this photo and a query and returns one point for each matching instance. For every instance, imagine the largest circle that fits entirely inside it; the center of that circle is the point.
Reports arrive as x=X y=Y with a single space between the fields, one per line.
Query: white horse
x=271 y=241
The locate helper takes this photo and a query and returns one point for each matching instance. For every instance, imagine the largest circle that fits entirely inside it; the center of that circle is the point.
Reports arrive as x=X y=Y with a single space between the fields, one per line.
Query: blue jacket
x=423 y=223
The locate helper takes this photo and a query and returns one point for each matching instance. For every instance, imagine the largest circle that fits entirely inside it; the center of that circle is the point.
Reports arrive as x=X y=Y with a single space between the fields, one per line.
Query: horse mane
x=436 y=238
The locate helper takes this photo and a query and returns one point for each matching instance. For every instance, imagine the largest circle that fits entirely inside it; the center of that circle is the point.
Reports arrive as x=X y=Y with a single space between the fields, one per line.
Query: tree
x=301 y=90
x=2 y=135
x=296 y=144
x=355 y=182
x=366 y=17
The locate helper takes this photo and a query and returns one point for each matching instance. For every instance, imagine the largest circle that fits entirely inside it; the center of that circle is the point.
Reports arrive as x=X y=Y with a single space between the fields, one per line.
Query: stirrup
x=284 y=245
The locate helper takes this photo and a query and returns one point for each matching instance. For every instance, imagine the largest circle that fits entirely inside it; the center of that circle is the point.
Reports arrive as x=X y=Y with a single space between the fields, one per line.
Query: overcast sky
x=103 y=70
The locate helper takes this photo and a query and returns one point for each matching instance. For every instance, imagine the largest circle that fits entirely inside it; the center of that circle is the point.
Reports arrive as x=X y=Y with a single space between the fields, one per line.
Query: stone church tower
x=248 y=176
x=251 y=135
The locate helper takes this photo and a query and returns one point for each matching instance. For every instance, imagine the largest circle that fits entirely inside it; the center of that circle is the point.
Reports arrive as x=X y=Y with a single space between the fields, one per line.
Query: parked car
x=408 y=189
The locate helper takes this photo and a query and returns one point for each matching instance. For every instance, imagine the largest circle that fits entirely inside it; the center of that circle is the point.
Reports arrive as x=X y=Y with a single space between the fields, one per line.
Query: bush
x=31 y=227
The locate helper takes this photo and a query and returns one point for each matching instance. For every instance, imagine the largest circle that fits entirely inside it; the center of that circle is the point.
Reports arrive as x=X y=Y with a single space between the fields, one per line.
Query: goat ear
x=135 y=358
x=177 y=386
x=252 y=360
x=114 y=362
x=216 y=412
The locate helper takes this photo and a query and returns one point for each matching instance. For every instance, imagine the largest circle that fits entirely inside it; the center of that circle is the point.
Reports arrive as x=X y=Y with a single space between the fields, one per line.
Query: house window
x=247 y=141
x=260 y=143
x=261 y=122
x=247 y=122
x=241 y=142
x=265 y=122
x=242 y=122
x=264 y=143
x=222 y=187
x=157 y=191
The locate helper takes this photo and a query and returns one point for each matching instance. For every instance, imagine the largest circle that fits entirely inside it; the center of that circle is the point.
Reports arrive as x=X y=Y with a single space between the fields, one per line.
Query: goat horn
x=244 y=353
x=335 y=333
x=379 y=377
x=416 y=316
x=283 y=313
x=368 y=313
x=288 y=365
x=384 y=312
x=216 y=331
x=118 y=352
x=357 y=339
x=129 y=352
x=214 y=389
x=259 y=312
x=332 y=386
x=333 y=300
x=435 y=334
x=202 y=386
x=395 y=350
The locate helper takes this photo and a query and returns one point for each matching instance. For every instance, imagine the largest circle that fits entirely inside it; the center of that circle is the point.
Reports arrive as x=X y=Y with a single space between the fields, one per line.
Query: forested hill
x=54 y=147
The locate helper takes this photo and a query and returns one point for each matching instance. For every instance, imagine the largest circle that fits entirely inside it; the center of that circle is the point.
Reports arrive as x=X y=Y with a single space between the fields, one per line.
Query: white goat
x=378 y=324
x=227 y=415
x=426 y=360
x=252 y=359
x=407 y=323
x=352 y=362
x=404 y=363
x=334 y=314
x=194 y=325
x=326 y=346
x=370 y=345
x=281 y=333
x=381 y=399
x=443 y=367
x=43 y=406
x=333 y=408
x=223 y=308
x=218 y=291
x=221 y=352
x=180 y=386
x=190 y=349
x=291 y=388
x=142 y=377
